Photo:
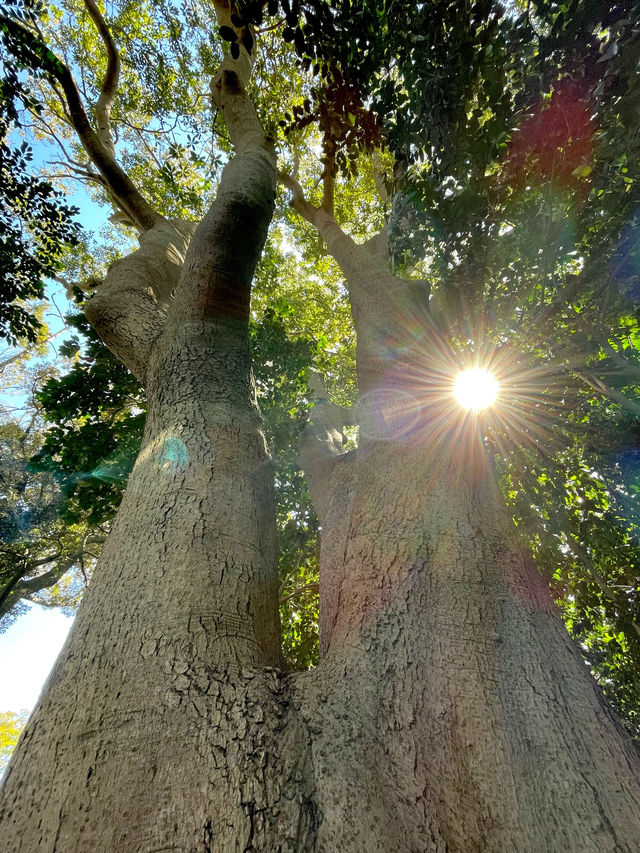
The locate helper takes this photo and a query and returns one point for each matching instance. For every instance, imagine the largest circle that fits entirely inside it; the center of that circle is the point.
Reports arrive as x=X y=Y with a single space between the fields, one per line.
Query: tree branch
x=228 y=87
x=357 y=262
x=321 y=445
x=328 y=185
x=313 y=586
x=110 y=83
x=601 y=387
x=128 y=309
x=239 y=114
x=298 y=201
x=121 y=187
x=378 y=245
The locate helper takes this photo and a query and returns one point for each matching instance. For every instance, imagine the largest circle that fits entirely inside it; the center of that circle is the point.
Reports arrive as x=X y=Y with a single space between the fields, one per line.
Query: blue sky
x=28 y=650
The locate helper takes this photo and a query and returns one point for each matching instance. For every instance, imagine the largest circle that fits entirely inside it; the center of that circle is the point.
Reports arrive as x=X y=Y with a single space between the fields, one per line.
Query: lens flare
x=475 y=388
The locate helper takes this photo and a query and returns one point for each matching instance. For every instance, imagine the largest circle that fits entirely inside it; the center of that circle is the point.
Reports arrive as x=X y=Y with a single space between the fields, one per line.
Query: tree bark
x=150 y=733
x=451 y=711
x=454 y=713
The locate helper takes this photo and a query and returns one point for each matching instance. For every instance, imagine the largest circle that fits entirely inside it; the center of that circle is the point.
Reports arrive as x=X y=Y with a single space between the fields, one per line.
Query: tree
x=38 y=547
x=11 y=725
x=36 y=225
x=450 y=710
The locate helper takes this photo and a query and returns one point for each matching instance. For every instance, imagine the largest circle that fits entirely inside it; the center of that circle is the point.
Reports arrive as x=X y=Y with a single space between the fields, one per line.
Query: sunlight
x=475 y=388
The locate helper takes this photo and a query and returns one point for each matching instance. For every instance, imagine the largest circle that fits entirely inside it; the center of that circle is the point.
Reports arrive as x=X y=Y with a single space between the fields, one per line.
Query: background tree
x=11 y=724
x=36 y=224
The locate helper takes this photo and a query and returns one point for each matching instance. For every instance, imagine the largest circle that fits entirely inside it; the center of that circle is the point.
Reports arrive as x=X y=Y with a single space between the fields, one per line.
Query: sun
x=475 y=388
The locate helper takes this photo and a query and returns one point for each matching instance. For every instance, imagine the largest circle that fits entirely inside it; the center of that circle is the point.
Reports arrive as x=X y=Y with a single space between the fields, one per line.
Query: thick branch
x=227 y=244
x=298 y=201
x=364 y=266
x=128 y=310
x=354 y=260
x=110 y=82
x=228 y=88
x=20 y=587
x=601 y=387
x=384 y=309
x=8 y=594
x=328 y=185
x=121 y=187
x=378 y=245
x=236 y=108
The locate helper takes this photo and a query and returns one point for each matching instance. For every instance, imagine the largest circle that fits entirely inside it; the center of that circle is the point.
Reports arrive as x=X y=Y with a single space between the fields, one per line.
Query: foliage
x=35 y=225
x=282 y=371
x=42 y=558
x=11 y=724
x=95 y=437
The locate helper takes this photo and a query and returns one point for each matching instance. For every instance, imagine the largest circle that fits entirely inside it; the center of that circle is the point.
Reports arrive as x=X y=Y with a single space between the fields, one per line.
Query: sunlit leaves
x=11 y=725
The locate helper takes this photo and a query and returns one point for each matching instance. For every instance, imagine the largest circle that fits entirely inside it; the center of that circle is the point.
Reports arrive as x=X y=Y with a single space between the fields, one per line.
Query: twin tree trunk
x=450 y=712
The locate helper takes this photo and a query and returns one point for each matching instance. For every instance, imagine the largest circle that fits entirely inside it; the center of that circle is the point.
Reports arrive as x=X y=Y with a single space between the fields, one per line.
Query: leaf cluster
x=36 y=227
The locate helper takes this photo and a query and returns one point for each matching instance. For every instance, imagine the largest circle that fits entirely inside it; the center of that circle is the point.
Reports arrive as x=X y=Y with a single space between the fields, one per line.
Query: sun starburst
x=475 y=388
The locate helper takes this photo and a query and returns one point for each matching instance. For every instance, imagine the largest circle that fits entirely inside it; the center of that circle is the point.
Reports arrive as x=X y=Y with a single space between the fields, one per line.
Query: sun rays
x=467 y=397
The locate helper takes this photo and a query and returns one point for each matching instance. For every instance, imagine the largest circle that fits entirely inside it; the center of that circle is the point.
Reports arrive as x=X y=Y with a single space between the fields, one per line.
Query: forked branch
x=298 y=201
x=356 y=261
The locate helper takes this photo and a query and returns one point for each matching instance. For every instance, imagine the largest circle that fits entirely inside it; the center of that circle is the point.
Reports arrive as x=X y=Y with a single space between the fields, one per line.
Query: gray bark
x=466 y=719
x=454 y=713
x=450 y=711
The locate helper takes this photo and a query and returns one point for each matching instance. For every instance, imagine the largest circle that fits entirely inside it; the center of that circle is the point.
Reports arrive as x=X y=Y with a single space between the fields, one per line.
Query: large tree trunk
x=450 y=712
x=157 y=723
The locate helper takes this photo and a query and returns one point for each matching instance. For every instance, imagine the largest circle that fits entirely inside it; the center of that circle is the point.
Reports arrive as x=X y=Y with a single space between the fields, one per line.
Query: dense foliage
x=35 y=224
x=500 y=145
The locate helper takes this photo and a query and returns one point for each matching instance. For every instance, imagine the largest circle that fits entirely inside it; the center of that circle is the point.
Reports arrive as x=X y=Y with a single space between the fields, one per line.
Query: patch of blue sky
x=28 y=650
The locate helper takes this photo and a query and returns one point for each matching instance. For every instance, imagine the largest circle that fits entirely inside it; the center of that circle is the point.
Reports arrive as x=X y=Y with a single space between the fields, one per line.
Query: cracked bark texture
x=157 y=723
x=451 y=711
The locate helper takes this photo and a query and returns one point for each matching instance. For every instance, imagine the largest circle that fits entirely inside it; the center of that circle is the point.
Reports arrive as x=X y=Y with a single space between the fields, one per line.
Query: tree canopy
x=491 y=149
